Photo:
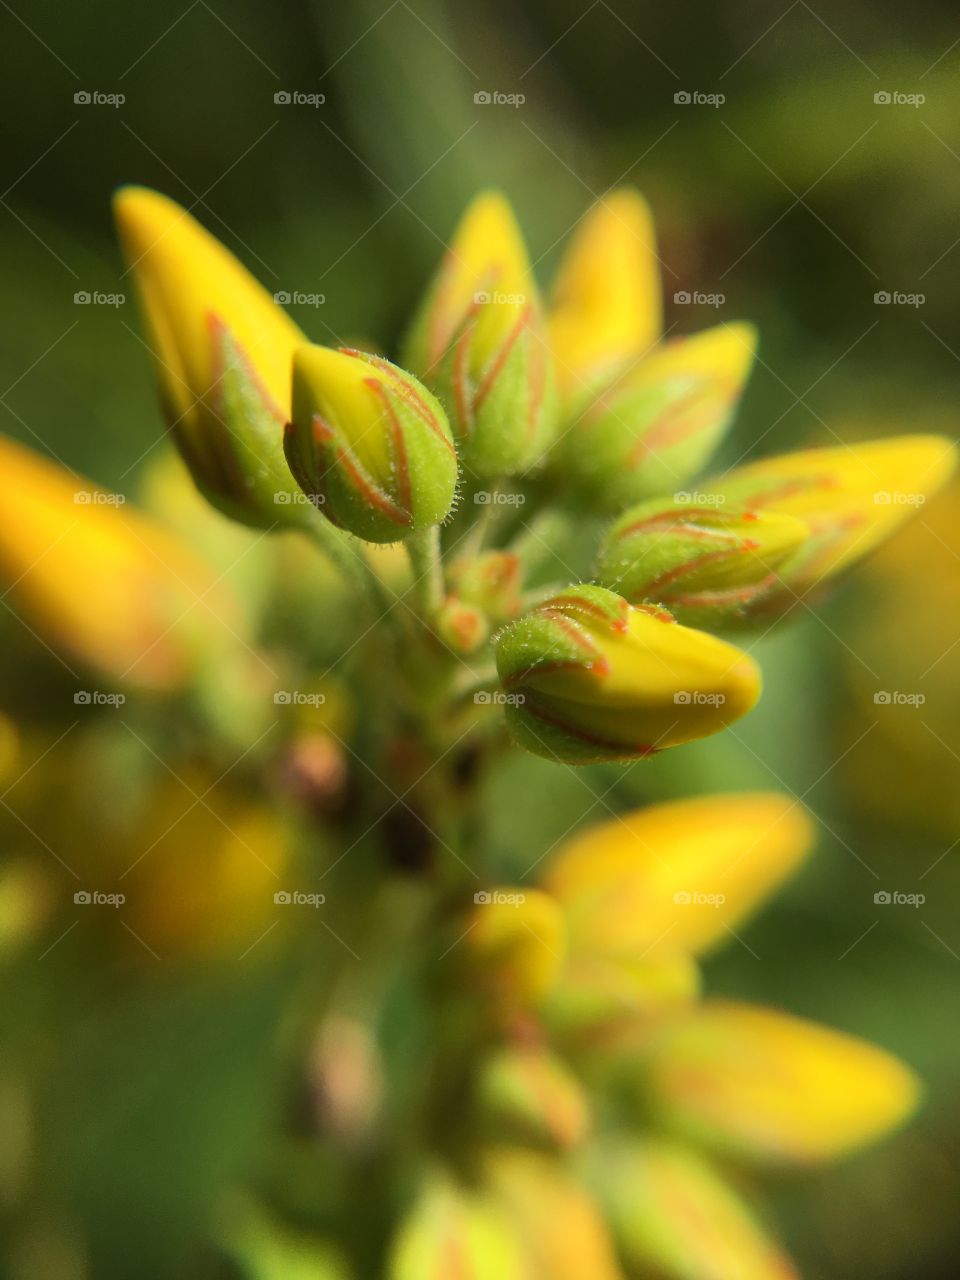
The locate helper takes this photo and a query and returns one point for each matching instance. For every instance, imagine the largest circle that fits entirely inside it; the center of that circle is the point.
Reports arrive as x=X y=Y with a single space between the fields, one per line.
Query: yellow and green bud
x=223 y=352
x=760 y=1084
x=560 y=1224
x=491 y=581
x=528 y=1093
x=707 y=564
x=479 y=342
x=510 y=946
x=455 y=1231
x=658 y=423
x=589 y=677
x=675 y=1217
x=676 y=876
x=606 y=307
x=369 y=445
x=851 y=497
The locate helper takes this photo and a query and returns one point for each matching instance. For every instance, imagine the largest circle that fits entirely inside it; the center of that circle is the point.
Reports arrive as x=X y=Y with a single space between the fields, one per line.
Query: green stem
x=423 y=549
x=346 y=554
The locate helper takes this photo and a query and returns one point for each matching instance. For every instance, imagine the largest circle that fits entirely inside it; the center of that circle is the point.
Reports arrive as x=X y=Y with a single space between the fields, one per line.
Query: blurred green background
x=798 y=199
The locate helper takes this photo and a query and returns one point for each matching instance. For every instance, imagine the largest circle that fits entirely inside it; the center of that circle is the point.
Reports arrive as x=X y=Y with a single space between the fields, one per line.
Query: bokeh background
x=793 y=202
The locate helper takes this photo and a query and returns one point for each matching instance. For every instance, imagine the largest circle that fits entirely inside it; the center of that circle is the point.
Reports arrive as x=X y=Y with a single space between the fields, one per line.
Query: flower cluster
x=568 y=1070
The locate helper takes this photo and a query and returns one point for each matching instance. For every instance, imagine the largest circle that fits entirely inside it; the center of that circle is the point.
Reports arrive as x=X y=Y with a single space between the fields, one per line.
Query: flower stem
x=425 y=558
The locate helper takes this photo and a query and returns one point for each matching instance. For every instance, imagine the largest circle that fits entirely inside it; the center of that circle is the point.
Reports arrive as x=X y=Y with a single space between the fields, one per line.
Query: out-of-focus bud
x=706 y=565
x=490 y=581
x=607 y=1003
x=851 y=497
x=530 y=1093
x=513 y=945
x=675 y=1217
x=563 y=1234
x=462 y=627
x=207 y=883
x=676 y=876
x=224 y=356
x=764 y=1085
x=451 y=1231
x=27 y=900
x=262 y=1246
x=479 y=341
x=606 y=297
x=105 y=585
x=658 y=423
x=589 y=677
x=369 y=445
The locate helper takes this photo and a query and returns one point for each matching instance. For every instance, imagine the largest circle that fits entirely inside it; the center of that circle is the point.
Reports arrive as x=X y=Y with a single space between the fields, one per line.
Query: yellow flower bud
x=513 y=945
x=676 y=876
x=589 y=677
x=224 y=356
x=529 y=1092
x=369 y=444
x=657 y=424
x=452 y=1231
x=478 y=341
x=103 y=584
x=851 y=497
x=606 y=296
x=563 y=1233
x=673 y=1215
x=763 y=1084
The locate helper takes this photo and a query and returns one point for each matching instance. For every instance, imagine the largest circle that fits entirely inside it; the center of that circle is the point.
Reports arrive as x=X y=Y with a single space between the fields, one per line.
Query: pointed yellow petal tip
x=607 y=302
x=678 y=875
x=762 y=1084
x=186 y=279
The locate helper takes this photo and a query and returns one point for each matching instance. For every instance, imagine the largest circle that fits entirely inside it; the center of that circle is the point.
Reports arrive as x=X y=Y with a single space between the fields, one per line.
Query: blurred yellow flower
x=103 y=584
x=759 y=1083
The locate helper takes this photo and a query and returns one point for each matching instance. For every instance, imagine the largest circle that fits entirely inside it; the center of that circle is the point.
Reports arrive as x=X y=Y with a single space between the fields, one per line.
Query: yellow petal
x=561 y=1227
x=763 y=1084
x=852 y=497
x=487 y=260
x=451 y=1232
x=606 y=301
x=676 y=876
x=188 y=283
x=99 y=582
x=675 y=1216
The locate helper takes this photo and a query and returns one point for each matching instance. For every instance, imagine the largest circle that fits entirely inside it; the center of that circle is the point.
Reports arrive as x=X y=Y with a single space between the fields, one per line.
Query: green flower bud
x=706 y=564
x=479 y=341
x=589 y=677
x=658 y=423
x=369 y=445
